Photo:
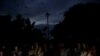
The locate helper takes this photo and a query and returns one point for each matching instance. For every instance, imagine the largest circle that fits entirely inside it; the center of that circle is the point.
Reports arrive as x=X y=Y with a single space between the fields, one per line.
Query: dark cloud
x=36 y=9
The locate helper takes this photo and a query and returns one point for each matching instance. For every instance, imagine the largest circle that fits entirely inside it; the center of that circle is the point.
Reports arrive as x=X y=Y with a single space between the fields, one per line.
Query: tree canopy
x=18 y=31
x=81 y=22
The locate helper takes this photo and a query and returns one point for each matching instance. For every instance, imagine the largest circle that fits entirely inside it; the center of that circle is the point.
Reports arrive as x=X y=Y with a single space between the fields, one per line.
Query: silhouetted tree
x=80 y=22
x=18 y=31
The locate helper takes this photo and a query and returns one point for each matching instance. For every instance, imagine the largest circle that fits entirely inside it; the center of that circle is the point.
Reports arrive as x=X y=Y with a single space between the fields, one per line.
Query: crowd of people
x=61 y=49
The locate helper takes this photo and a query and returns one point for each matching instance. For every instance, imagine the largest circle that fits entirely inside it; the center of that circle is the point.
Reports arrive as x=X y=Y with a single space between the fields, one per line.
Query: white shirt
x=41 y=54
x=84 y=53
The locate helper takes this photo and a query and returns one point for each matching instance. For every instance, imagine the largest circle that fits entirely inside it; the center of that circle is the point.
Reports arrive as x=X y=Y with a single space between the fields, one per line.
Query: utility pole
x=47 y=15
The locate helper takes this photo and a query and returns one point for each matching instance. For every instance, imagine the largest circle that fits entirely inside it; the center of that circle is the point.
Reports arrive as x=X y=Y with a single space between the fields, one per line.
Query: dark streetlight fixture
x=47 y=15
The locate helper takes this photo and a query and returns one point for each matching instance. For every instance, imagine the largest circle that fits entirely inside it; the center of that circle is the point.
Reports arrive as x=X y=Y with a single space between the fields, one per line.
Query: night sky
x=36 y=9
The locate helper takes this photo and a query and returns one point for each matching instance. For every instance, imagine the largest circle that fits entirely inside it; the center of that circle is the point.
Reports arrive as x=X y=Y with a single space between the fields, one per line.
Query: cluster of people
x=61 y=49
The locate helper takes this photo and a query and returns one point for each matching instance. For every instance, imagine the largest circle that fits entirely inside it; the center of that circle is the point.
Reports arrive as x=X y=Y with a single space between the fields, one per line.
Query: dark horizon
x=35 y=9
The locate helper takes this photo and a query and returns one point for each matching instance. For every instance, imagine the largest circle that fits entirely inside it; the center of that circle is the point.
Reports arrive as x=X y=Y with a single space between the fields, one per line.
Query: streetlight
x=47 y=15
